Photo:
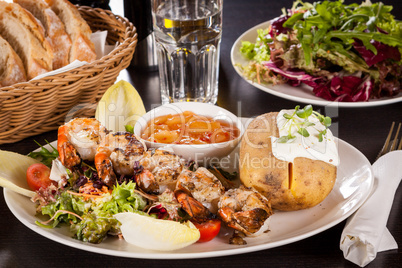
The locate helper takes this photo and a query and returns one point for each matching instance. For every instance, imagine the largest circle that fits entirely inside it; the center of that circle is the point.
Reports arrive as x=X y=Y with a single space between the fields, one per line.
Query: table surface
x=364 y=128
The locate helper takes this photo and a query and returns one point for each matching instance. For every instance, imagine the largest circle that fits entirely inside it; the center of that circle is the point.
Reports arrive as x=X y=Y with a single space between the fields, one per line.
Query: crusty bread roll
x=26 y=36
x=77 y=28
x=11 y=68
x=54 y=30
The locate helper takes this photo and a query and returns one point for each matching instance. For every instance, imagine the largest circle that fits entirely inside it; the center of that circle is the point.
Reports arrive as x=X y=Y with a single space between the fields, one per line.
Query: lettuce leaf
x=91 y=219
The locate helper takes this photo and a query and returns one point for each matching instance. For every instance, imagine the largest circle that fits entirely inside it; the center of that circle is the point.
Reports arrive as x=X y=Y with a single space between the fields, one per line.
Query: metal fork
x=391 y=143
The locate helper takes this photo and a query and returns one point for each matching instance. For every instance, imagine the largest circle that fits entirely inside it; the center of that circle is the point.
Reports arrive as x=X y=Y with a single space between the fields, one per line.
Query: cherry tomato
x=38 y=176
x=208 y=230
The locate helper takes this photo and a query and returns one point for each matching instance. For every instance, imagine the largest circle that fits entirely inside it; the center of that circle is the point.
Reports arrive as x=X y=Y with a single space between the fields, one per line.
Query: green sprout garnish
x=301 y=127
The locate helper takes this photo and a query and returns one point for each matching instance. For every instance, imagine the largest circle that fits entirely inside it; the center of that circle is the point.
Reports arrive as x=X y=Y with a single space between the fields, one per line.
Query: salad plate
x=302 y=93
x=353 y=186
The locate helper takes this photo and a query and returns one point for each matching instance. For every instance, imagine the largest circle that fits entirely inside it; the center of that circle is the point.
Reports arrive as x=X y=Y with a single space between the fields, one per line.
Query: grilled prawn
x=160 y=171
x=245 y=210
x=78 y=139
x=118 y=152
x=203 y=186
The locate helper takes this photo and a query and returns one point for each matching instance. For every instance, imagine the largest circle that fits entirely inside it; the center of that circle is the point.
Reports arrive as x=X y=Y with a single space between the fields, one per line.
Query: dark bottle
x=104 y=4
x=139 y=13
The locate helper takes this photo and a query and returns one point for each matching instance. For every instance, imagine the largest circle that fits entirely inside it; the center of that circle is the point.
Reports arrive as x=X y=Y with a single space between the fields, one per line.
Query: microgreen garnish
x=302 y=126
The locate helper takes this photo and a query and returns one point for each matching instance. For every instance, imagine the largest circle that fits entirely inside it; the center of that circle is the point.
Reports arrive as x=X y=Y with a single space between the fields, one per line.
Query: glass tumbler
x=188 y=36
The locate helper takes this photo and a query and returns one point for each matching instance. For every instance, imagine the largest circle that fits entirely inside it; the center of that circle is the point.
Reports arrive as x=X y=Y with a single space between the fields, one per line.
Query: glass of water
x=188 y=36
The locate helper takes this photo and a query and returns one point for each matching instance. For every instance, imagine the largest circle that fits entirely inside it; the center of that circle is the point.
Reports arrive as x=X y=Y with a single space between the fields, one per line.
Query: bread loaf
x=54 y=30
x=23 y=32
x=11 y=68
x=77 y=28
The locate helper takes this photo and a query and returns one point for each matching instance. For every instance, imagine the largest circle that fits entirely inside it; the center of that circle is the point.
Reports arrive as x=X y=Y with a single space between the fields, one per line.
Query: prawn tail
x=67 y=153
x=146 y=181
x=194 y=208
x=104 y=167
x=248 y=222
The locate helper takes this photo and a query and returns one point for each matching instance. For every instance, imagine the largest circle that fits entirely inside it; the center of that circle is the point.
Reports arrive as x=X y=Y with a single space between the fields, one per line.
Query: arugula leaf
x=292 y=20
x=44 y=155
x=324 y=22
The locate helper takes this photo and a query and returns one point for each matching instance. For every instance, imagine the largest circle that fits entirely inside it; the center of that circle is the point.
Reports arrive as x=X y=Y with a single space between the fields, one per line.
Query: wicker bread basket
x=38 y=106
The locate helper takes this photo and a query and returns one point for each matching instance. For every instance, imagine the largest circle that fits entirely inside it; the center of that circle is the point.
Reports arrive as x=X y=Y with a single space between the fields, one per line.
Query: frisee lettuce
x=258 y=51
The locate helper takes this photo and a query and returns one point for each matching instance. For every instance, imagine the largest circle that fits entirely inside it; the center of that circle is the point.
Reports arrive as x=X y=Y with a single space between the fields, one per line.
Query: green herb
x=333 y=26
x=302 y=126
x=44 y=155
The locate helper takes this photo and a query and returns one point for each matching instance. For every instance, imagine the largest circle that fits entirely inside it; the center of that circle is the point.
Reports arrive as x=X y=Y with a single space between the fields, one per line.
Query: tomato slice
x=38 y=176
x=208 y=230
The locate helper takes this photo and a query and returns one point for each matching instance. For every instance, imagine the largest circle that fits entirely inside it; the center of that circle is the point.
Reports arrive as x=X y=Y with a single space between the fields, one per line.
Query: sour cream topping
x=308 y=147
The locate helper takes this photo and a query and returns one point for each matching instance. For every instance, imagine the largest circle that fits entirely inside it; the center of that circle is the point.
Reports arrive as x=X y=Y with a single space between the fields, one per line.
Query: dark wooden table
x=364 y=128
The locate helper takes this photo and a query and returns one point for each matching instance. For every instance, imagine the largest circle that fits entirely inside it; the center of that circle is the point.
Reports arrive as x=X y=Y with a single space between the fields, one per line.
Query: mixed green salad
x=344 y=52
x=89 y=212
x=82 y=201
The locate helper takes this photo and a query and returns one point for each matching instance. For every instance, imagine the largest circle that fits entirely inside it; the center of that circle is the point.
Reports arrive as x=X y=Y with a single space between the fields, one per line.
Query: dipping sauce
x=189 y=128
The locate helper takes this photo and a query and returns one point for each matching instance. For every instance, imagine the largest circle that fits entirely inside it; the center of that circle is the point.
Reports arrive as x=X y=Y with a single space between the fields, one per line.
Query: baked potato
x=300 y=184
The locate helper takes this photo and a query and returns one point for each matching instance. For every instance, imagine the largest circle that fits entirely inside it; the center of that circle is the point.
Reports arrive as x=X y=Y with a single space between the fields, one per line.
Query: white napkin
x=101 y=49
x=365 y=232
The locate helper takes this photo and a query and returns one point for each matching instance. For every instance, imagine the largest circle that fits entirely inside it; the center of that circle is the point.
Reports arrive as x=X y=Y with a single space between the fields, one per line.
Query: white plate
x=353 y=186
x=303 y=93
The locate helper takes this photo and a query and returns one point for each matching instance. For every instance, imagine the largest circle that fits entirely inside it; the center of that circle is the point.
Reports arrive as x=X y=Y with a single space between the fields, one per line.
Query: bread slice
x=23 y=32
x=77 y=28
x=11 y=68
x=54 y=30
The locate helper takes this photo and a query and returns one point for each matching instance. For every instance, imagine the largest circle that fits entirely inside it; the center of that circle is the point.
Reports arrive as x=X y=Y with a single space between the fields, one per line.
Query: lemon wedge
x=150 y=233
x=13 y=170
x=121 y=105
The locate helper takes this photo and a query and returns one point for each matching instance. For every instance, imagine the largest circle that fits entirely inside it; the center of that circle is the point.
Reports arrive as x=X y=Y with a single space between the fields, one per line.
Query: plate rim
x=69 y=241
x=273 y=90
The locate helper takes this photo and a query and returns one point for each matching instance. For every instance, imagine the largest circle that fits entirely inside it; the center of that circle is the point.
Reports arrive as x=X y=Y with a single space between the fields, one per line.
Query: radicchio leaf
x=277 y=26
x=294 y=76
x=345 y=89
x=383 y=52
x=342 y=89
x=390 y=79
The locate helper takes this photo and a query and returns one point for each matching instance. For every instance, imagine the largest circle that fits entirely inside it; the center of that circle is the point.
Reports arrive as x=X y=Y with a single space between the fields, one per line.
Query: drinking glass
x=188 y=36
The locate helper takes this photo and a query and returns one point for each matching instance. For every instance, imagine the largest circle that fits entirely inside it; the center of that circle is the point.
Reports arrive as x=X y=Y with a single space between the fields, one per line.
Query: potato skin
x=290 y=186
